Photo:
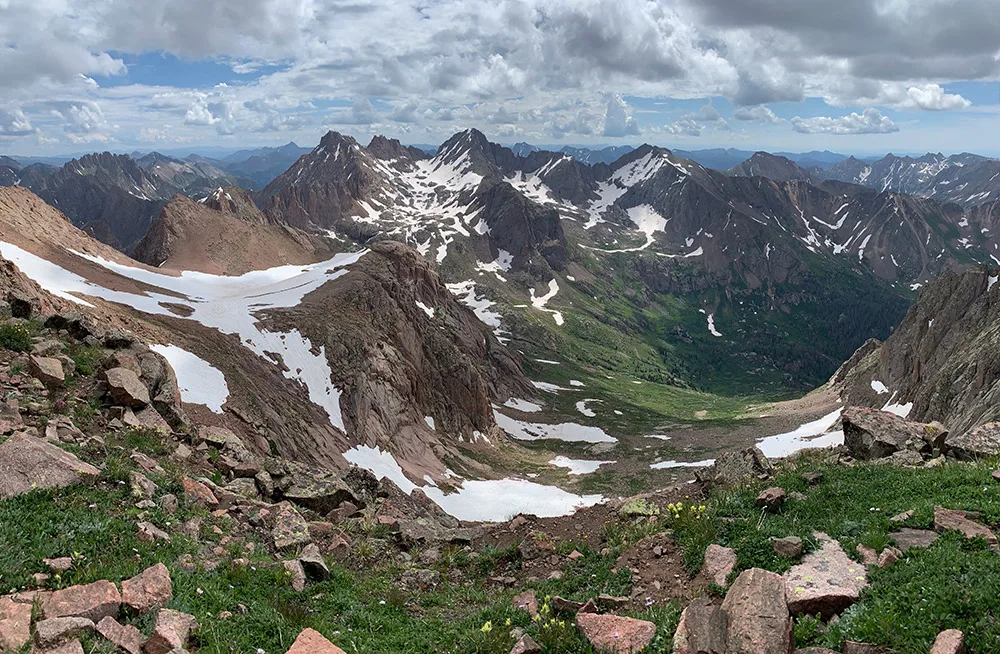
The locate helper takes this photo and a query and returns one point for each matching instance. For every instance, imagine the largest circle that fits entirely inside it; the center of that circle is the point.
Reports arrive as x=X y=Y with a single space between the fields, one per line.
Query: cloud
x=870 y=121
x=618 y=120
x=13 y=122
x=683 y=127
x=542 y=67
x=931 y=97
x=83 y=122
x=758 y=114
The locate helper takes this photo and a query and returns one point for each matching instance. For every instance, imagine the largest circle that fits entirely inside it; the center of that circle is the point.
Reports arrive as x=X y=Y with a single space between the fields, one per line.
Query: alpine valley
x=416 y=346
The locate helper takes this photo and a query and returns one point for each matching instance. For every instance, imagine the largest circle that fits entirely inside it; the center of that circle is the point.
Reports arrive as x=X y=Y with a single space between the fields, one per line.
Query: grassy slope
x=953 y=584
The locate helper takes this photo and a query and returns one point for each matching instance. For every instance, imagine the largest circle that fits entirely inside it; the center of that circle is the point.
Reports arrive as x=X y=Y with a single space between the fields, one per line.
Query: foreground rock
x=171 y=632
x=951 y=641
x=52 y=632
x=125 y=388
x=148 y=590
x=312 y=642
x=615 y=634
x=945 y=519
x=758 y=614
x=126 y=637
x=15 y=624
x=702 y=629
x=28 y=463
x=827 y=581
x=48 y=370
x=979 y=443
x=733 y=468
x=870 y=434
x=92 y=601
x=719 y=563
x=907 y=538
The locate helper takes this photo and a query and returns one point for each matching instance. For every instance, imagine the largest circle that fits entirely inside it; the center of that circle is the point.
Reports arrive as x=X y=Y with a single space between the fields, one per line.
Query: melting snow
x=228 y=304
x=540 y=302
x=578 y=466
x=199 y=381
x=426 y=309
x=879 y=387
x=496 y=500
x=522 y=405
x=810 y=435
x=581 y=406
x=570 y=432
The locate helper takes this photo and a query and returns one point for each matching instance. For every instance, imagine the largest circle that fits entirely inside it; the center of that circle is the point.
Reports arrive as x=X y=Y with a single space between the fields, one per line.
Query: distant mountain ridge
x=967 y=179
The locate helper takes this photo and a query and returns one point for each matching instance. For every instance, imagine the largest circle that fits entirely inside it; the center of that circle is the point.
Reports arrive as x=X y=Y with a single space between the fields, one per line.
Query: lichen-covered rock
x=981 y=442
x=615 y=634
x=827 y=581
x=758 y=614
x=733 y=468
x=92 y=601
x=28 y=463
x=125 y=388
x=872 y=434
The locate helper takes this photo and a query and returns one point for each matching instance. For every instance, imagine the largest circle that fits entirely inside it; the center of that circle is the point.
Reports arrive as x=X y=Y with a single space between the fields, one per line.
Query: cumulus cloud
x=518 y=57
x=82 y=121
x=758 y=114
x=931 y=97
x=618 y=120
x=870 y=121
x=13 y=122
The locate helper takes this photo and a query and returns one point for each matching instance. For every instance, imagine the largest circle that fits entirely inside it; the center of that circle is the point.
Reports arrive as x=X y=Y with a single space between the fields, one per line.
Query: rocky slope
x=192 y=178
x=941 y=362
x=224 y=234
x=366 y=352
x=760 y=260
x=764 y=164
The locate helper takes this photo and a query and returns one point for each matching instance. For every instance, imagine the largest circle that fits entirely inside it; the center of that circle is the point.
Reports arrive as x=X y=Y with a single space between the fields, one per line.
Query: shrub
x=15 y=337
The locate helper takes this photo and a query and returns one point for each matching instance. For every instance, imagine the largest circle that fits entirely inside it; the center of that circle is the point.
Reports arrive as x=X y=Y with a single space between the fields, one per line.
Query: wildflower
x=507 y=624
x=487 y=627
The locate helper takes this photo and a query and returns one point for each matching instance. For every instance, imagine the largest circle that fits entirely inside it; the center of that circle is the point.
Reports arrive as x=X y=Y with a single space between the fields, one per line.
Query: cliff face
x=944 y=357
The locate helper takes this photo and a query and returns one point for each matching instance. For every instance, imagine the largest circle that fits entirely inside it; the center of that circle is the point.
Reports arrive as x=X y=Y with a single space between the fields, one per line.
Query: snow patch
x=809 y=435
x=199 y=381
x=578 y=466
x=570 y=432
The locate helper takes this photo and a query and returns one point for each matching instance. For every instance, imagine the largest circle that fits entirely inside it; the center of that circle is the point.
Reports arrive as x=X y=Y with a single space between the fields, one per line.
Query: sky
x=854 y=76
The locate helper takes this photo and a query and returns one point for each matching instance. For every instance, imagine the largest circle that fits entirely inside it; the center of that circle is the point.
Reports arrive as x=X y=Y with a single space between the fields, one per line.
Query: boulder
x=888 y=556
x=321 y=494
x=827 y=581
x=526 y=601
x=15 y=624
x=290 y=528
x=980 y=442
x=788 y=547
x=171 y=632
x=313 y=642
x=69 y=647
x=198 y=494
x=148 y=590
x=53 y=631
x=225 y=441
x=771 y=498
x=150 y=533
x=313 y=564
x=526 y=645
x=125 y=388
x=758 y=614
x=92 y=601
x=126 y=637
x=296 y=574
x=733 y=468
x=950 y=641
x=719 y=562
x=28 y=463
x=615 y=634
x=945 y=519
x=906 y=538
x=871 y=434
x=48 y=370
x=702 y=629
